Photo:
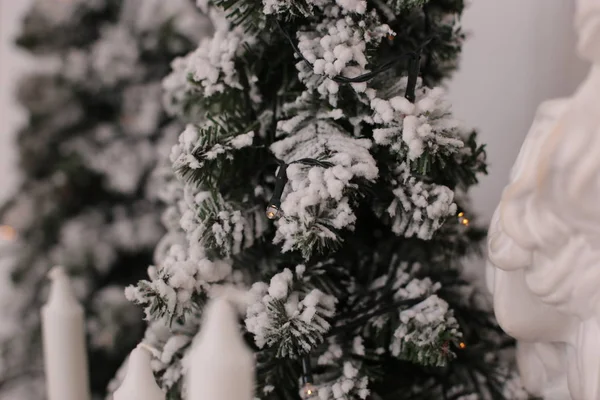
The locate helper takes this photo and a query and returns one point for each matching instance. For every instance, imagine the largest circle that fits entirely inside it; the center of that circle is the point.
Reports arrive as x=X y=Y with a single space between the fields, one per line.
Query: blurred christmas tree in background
x=91 y=156
x=328 y=115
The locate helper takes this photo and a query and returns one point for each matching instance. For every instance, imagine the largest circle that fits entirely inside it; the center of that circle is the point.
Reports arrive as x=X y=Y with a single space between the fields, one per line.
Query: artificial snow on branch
x=318 y=202
x=291 y=321
x=314 y=111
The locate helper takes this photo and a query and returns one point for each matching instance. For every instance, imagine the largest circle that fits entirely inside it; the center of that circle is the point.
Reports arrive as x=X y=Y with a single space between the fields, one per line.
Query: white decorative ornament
x=544 y=240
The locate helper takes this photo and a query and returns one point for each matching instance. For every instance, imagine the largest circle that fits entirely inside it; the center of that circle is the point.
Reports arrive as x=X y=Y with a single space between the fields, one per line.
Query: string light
x=273 y=211
x=308 y=390
x=413 y=57
x=414 y=65
x=445 y=349
x=7 y=233
x=462 y=219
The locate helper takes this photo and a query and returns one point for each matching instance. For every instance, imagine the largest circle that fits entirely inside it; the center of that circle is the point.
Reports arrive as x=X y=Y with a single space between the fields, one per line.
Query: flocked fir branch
x=90 y=197
x=312 y=111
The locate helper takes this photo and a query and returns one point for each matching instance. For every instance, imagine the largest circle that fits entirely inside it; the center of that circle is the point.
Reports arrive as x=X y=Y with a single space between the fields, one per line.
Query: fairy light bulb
x=273 y=209
x=308 y=389
x=273 y=212
x=462 y=345
x=462 y=219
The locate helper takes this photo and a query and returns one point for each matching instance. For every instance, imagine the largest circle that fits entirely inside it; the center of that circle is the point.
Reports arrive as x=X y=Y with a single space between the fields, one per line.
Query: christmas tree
x=89 y=198
x=321 y=168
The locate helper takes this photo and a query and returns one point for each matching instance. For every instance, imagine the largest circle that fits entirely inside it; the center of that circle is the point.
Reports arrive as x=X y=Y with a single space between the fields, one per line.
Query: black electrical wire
x=413 y=57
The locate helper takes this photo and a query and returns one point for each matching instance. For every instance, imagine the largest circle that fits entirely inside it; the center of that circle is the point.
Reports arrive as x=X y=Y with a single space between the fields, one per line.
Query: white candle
x=139 y=383
x=63 y=331
x=221 y=366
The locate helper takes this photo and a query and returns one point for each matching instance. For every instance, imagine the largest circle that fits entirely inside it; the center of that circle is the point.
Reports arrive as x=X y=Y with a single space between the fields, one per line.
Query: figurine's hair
x=545 y=239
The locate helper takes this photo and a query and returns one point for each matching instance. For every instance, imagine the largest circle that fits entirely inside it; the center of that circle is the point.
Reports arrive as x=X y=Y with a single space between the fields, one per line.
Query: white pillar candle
x=63 y=331
x=221 y=366
x=139 y=383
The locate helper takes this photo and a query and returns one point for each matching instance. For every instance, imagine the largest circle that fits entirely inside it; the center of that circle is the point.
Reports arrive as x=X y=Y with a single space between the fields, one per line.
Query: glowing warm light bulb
x=462 y=345
x=308 y=391
x=7 y=233
x=273 y=212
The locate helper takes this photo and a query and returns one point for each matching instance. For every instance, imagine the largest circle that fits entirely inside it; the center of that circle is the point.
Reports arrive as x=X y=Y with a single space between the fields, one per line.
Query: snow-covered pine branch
x=291 y=321
x=349 y=276
x=319 y=200
x=89 y=198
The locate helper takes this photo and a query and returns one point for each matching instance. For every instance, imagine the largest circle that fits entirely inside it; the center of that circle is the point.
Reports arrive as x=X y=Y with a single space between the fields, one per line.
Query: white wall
x=520 y=52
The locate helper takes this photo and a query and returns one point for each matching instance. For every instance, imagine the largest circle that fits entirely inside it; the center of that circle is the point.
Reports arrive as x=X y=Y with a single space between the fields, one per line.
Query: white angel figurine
x=544 y=240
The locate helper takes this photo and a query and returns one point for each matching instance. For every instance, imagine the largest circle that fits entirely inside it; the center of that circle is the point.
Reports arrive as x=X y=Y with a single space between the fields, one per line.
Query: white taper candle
x=221 y=366
x=63 y=331
x=139 y=383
